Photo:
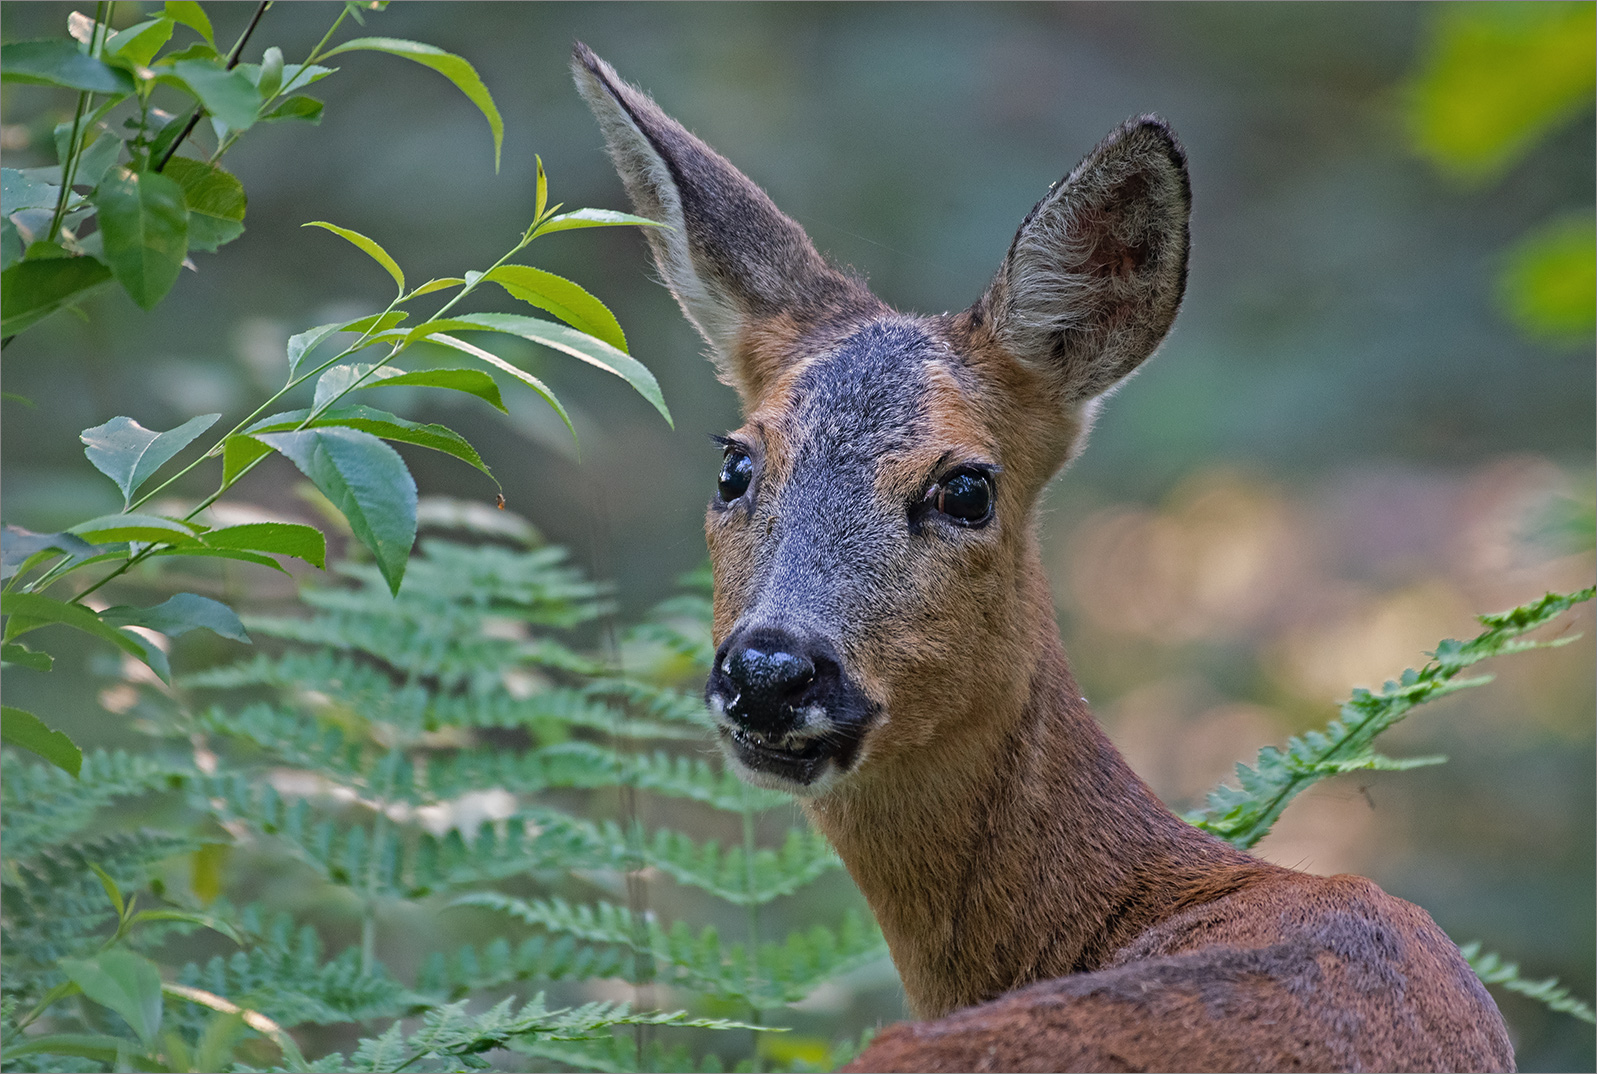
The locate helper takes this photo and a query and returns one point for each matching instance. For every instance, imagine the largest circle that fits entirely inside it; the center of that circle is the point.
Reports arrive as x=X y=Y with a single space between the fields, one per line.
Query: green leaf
x=18 y=192
x=581 y=218
x=378 y=423
x=226 y=95
x=283 y=538
x=210 y=921
x=96 y=160
x=566 y=300
x=127 y=983
x=137 y=45
x=541 y=193
x=58 y=62
x=437 y=285
x=190 y=14
x=471 y=381
x=452 y=67
x=377 y=253
x=129 y=454
x=301 y=345
x=1550 y=280
x=179 y=615
x=145 y=223
x=18 y=546
x=32 y=290
x=520 y=374
x=22 y=656
x=215 y=200
x=1497 y=78
x=341 y=378
x=566 y=340
x=308 y=109
x=19 y=727
x=223 y=553
x=238 y=454
x=369 y=484
x=135 y=527
x=10 y=245
x=110 y=1051
x=270 y=78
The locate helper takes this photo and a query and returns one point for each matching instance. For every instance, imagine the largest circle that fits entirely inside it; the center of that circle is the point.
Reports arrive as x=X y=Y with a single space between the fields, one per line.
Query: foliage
x=1495 y=80
x=344 y=450
x=1495 y=970
x=1244 y=815
x=353 y=757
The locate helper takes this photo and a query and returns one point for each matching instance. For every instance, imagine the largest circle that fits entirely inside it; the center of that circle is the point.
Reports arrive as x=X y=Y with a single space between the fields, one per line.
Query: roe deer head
x=886 y=647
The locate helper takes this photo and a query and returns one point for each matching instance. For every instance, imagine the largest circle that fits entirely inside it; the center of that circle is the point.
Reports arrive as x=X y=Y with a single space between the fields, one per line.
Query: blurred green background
x=1364 y=427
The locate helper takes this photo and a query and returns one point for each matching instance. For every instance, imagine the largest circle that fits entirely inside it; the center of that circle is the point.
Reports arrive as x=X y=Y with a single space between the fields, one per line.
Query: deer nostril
x=770 y=676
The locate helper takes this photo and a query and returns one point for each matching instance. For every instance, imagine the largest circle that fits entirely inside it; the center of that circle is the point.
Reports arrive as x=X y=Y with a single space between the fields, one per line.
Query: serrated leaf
x=452 y=67
x=134 y=527
x=32 y=290
x=18 y=192
x=562 y=338
x=302 y=344
x=129 y=454
x=367 y=481
x=378 y=423
x=22 y=656
x=239 y=453
x=226 y=95
x=367 y=246
x=215 y=199
x=129 y=984
x=189 y=13
x=29 y=611
x=581 y=218
x=145 y=225
x=471 y=381
x=561 y=297
x=308 y=109
x=137 y=45
x=283 y=538
x=17 y=546
x=59 y=63
x=520 y=374
x=179 y=615
x=20 y=727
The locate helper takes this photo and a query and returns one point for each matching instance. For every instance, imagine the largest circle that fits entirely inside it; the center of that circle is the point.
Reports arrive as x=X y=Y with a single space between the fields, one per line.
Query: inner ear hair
x=1096 y=272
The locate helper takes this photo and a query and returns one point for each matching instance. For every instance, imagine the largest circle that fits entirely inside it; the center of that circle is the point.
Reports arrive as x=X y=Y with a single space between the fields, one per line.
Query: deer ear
x=1096 y=272
x=728 y=254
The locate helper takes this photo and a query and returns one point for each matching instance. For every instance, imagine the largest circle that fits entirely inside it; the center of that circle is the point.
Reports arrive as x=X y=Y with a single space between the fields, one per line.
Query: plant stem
x=285 y=89
x=69 y=166
x=232 y=62
x=756 y=1016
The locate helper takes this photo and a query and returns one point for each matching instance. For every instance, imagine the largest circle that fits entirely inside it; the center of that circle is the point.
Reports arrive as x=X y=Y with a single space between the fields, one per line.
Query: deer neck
x=1018 y=848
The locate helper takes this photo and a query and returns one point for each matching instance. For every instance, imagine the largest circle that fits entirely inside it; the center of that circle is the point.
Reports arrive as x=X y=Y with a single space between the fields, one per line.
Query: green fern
x=1493 y=969
x=1245 y=814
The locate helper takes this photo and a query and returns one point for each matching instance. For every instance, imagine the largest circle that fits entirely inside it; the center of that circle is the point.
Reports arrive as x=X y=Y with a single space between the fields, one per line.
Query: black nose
x=764 y=677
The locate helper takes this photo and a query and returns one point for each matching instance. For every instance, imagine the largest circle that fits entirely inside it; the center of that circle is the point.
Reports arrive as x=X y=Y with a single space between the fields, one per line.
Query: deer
x=886 y=648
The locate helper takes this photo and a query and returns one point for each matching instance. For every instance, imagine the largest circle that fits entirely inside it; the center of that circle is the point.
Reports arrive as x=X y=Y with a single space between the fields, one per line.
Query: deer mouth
x=789 y=763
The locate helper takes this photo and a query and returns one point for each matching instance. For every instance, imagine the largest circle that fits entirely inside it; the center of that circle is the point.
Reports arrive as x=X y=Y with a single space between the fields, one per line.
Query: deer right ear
x=734 y=262
x=1095 y=275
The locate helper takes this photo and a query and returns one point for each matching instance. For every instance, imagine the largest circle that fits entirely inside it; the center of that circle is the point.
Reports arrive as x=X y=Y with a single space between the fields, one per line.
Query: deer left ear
x=1096 y=273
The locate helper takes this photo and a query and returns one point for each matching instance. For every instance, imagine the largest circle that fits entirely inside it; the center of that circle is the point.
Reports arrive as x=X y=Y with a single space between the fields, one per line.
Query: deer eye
x=737 y=470
x=966 y=497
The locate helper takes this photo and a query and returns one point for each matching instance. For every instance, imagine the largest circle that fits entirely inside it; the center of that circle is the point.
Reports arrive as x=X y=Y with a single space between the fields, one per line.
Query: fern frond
x=655 y=702
x=617 y=1055
x=1493 y=969
x=285 y=976
x=781 y=973
x=543 y=958
x=55 y=907
x=1244 y=814
x=729 y=875
x=43 y=804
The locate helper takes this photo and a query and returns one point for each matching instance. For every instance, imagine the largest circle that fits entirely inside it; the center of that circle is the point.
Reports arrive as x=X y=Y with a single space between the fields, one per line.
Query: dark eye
x=966 y=497
x=737 y=470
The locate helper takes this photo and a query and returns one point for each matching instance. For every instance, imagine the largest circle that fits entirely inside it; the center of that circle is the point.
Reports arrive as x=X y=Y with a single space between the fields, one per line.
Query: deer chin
x=806 y=764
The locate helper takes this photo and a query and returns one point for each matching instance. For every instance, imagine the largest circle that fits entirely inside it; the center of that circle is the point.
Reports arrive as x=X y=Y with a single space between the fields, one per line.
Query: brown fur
x=1039 y=901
